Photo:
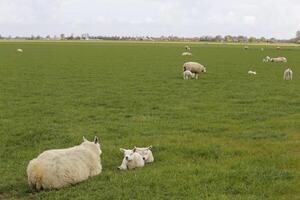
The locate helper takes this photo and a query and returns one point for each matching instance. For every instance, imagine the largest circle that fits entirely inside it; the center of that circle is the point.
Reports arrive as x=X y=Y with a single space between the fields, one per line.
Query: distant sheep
x=59 y=168
x=131 y=160
x=278 y=48
x=288 y=74
x=146 y=153
x=20 y=50
x=194 y=67
x=246 y=47
x=187 y=48
x=262 y=49
x=278 y=59
x=252 y=72
x=267 y=59
x=186 y=54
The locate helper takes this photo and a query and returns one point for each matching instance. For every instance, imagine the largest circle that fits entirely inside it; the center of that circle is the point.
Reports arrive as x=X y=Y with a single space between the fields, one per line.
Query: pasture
x=227 y=135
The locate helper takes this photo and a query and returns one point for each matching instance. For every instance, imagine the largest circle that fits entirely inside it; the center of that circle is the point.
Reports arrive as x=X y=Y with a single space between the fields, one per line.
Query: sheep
x=288 y=74
x=186 y=54
x=194 y=67
x=20 y=50
x=267 y=59
x=278 y=48
x=146 y=153
x=188 y=74
x=252 y=72
x=187 y=48
x=246 y=47
x=262 y=49
x=131 y=160
x=57 y=168
x=278 y=59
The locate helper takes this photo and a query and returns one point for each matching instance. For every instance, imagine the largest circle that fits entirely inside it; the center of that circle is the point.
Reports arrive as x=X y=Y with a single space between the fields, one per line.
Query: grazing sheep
x=131 y=160
x=194 y=67
x=187 y=48
x=186 y=54
x=246 y=47
x=252 y=72
x=20 y=50
x=288 y=74
x=59 y=168
x=278 y=59
x=146 y=153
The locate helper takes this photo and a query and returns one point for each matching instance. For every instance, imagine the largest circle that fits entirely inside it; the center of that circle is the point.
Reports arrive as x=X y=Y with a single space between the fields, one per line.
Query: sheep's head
x=128 y=153
x=204 y=70
x=144 y=152
x=94 y=146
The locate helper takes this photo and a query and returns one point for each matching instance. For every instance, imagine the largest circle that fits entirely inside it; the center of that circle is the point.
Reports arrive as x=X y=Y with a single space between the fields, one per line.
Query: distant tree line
x=218 y=38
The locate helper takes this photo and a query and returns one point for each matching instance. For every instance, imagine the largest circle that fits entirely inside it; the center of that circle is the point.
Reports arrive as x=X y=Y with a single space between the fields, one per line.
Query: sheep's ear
x=134 y=149
x=150 y=147
x=122 y=150
x=96 y=140
x=85 y=140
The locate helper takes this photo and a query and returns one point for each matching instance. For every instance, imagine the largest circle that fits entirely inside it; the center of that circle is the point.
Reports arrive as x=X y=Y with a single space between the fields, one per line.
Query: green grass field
x=227 y=135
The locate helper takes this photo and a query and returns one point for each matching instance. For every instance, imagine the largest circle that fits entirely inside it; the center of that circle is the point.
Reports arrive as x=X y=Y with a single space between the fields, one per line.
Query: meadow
x=227 y=135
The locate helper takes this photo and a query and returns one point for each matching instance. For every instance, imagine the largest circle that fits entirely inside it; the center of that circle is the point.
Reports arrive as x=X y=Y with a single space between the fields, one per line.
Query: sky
x=184 y=18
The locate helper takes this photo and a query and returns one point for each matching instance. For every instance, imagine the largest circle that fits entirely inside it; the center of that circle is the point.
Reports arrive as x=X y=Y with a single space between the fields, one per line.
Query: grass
x=224 y=136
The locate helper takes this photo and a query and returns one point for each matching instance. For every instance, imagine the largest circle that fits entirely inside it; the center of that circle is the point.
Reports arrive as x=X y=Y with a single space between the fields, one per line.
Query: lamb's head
x=144 y=152
x=204 y=70
x=128 y=154
x=93 y=146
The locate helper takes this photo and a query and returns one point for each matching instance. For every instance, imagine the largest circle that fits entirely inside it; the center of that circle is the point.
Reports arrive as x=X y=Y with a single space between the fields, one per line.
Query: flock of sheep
x=57 y=168
x=193 y=69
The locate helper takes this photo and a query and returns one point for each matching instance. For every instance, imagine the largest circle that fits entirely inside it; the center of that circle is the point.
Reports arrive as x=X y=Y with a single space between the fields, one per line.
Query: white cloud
x=151 y=17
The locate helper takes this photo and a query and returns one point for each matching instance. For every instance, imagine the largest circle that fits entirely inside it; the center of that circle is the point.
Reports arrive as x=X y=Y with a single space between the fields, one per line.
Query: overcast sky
x=269 y=18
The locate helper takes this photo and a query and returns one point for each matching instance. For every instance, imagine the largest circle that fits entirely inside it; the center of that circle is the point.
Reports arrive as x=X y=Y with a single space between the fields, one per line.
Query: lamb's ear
x=134 y=149
x=85 y=140
x=122 y=150
x=150 y=147
x=96 y=140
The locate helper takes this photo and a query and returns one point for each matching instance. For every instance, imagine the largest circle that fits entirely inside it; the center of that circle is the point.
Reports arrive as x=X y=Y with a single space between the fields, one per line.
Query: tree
x=298 y=34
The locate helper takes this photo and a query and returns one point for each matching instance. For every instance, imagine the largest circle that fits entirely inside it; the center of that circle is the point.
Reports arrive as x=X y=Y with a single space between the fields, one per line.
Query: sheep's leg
x=196 y=76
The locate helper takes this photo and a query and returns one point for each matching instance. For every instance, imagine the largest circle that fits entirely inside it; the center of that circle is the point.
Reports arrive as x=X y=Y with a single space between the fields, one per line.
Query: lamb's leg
x=123 y=166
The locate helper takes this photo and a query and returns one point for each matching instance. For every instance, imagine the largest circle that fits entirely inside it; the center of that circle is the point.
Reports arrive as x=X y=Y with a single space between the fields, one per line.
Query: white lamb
x=186 y=54
x=131 y=160
x=252 y=72
x=59 y=168
x=146 y=153
x=194 y=67
x=288 y=74
x=278 y=59
x=20 y=50
x=188 y=75
x=187 y=48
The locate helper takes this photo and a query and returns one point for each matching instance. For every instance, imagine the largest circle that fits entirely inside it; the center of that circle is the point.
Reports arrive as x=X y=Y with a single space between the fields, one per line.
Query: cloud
x=151 y=17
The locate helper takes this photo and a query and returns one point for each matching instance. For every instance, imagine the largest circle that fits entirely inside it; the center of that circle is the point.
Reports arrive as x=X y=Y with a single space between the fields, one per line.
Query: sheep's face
x=128 y=153
x=144 y=152
x=204 y=70
x=94 y=146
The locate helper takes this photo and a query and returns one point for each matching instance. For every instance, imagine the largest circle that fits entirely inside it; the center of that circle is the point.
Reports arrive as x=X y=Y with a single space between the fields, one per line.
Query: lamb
x=57 y=168
x=278 y=59
x=252 y=72
x=188 y=75
x=267 y=59
x=20 y=50
x=146 y=153
x=194 y=67
x=288 y=74
x=131 y=160
x=186 y=54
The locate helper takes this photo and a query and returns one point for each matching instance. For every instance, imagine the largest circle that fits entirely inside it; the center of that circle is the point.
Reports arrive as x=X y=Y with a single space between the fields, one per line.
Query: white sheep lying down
x=145 y=152
x=278 y=59
x=252 y=72
x=194 y=67
x=288 y=74
x=131 y=160
x=20 y=50
x=59 y=168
